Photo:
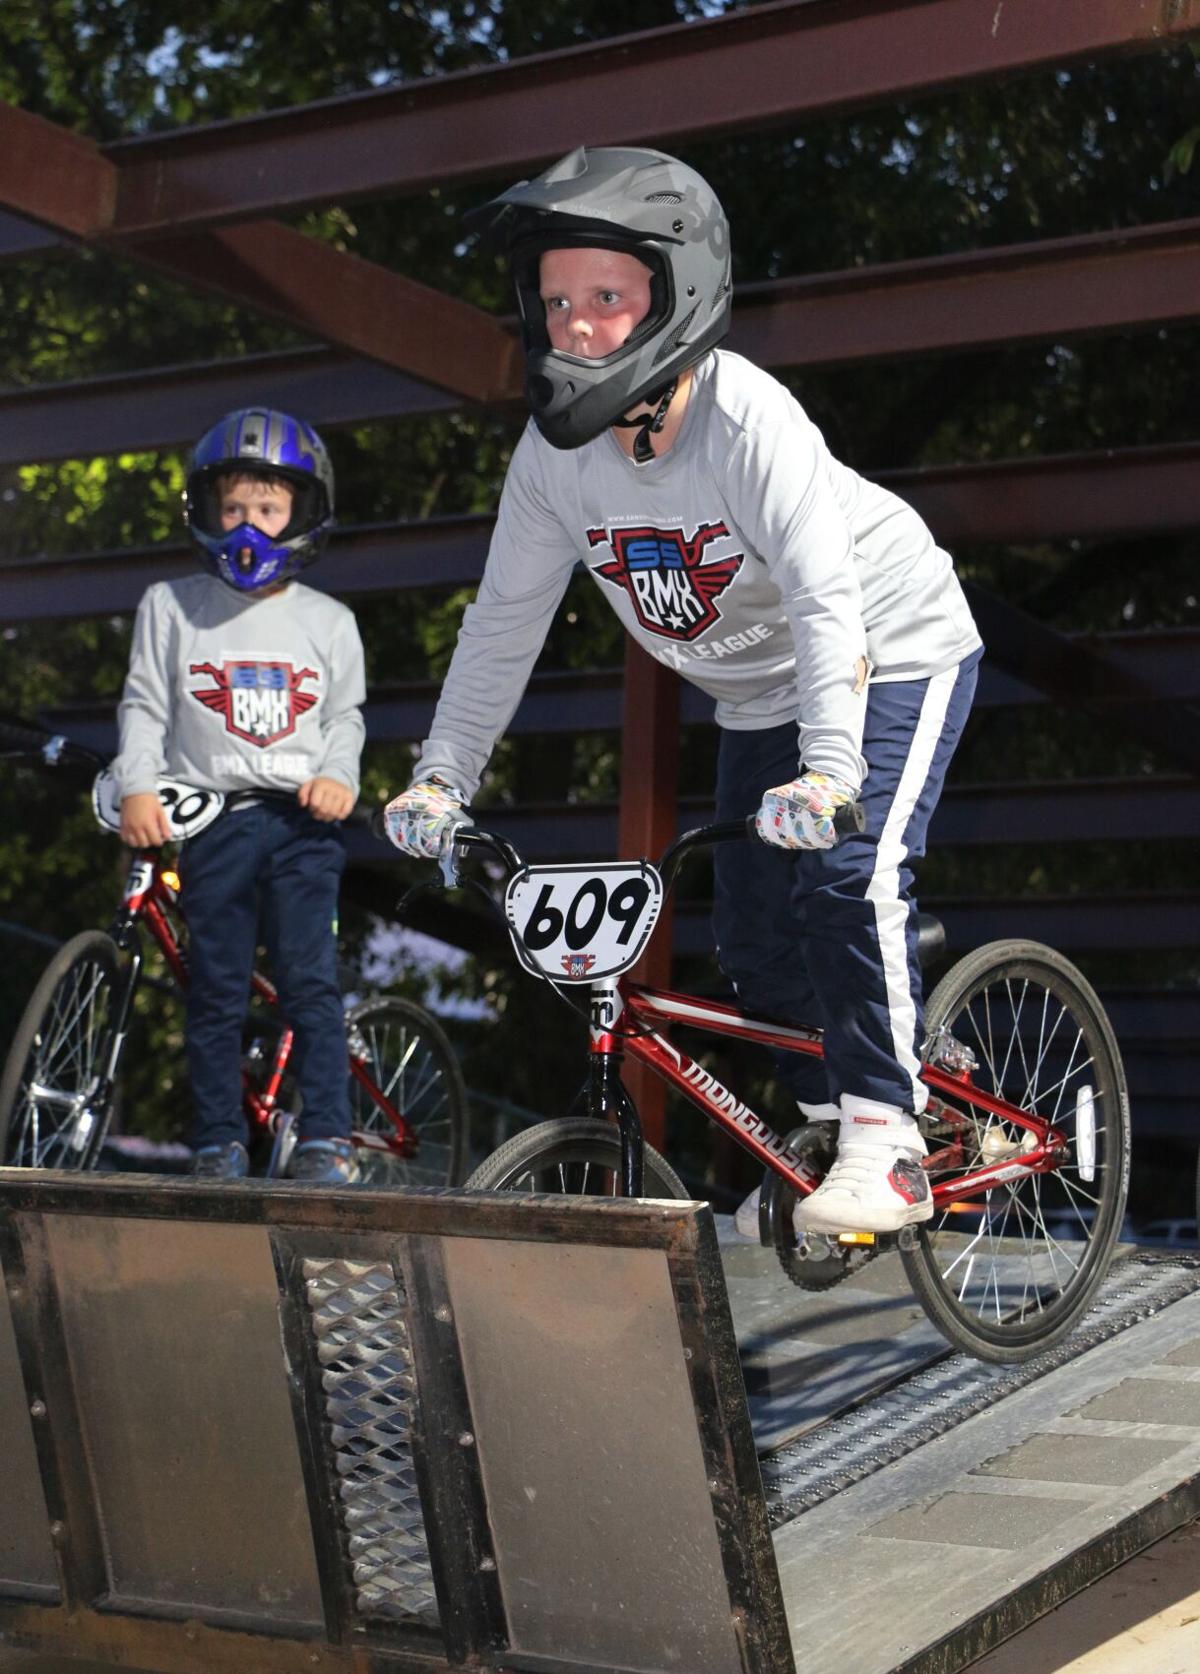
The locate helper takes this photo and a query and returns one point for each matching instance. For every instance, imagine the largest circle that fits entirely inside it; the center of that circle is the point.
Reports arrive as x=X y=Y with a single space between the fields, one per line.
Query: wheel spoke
x=1043 y=1239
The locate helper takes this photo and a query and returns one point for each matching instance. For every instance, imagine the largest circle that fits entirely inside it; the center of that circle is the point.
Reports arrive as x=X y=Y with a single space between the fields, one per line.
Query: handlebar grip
x=51 y=749
x=850 y=820
x=13 y=737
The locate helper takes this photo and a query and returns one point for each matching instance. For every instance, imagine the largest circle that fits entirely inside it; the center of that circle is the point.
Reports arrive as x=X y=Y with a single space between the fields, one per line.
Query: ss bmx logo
x=674 y=591
x=260 y=701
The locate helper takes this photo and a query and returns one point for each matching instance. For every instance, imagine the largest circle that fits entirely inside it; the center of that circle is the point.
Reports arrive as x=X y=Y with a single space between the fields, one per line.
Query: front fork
x=607 y=1099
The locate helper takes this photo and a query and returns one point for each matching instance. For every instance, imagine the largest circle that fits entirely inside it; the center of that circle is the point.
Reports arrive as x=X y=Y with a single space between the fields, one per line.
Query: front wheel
x=57 y=1090
x=403 y=1054
x=1006 y=1274
x=574 y=1157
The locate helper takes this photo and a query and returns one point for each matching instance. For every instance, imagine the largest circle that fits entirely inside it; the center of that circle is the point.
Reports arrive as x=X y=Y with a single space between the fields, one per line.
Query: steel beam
x=1146 y=922
x=1108 y=494
x=54 y=177
x=758 y=68
x=20 y=238
x=166 y=405
x=1070 y=672
x=1057 y=288
x=379 y=558
x=356 y=304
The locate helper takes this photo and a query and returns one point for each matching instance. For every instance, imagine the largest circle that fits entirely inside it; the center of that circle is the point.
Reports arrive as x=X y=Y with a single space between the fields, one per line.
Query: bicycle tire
x=414 y=1065
x=1012 y=1288
x=567 y=1156
x=64 y=1034
x=818 y=1147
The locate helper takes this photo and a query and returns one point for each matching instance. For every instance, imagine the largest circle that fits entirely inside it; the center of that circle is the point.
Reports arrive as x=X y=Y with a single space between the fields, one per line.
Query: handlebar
x=847 y=821
x=18 y=738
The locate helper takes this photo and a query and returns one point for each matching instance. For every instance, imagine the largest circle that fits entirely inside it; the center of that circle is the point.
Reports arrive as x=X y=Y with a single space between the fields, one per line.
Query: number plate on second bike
x=580 y=923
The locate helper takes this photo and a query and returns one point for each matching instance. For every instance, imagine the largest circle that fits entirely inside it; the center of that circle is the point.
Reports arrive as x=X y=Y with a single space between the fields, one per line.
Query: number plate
x=581 y=923
x=189 y=809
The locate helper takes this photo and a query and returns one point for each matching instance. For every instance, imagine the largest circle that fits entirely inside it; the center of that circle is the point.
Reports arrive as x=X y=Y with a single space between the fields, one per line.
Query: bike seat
x=931 y=938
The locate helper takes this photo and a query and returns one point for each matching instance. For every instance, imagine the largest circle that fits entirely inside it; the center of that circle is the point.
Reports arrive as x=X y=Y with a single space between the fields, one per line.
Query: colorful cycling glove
x=423 y=819
x=800 y=815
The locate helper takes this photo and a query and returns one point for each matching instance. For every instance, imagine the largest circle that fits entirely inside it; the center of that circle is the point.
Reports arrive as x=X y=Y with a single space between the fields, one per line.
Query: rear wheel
x=57 y=1090
x=573 y=1157
x=406 y=1055
x=1007 y=1273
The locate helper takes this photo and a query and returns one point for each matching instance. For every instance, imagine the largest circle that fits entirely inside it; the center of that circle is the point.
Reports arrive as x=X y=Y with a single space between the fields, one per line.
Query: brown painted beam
x=762 y=67
x=20 y=238
x=54 y=177
x=61 y=180
x=1107 y=494
x=359 y=305
x=166 y=406
x=1056 y=289
x=579 y=701
x=1101 y=495
x=1071 y=672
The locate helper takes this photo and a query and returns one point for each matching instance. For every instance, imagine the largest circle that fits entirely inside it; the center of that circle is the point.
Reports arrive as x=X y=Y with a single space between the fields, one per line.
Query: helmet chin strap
x=648 y=424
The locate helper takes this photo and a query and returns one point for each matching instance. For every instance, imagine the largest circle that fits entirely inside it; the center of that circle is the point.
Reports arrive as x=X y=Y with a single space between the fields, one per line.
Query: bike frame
x=626 y=1019
x=151 y=900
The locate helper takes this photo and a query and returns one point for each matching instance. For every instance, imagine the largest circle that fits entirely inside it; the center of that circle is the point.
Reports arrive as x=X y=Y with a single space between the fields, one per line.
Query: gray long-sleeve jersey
x=235 y=694
x=747 y=558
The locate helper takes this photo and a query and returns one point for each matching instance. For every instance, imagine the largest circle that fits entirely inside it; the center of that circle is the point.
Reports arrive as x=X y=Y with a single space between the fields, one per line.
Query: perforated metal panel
x=360 y=1321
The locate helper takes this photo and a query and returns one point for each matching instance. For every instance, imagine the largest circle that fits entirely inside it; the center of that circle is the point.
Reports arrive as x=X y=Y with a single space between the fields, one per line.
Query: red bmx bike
x=1027 y=1125
x=60 y=1081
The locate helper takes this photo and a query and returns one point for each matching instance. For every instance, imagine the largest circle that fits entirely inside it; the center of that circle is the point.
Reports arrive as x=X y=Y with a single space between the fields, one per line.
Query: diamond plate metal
x=851 y=1445
x=360 y=1321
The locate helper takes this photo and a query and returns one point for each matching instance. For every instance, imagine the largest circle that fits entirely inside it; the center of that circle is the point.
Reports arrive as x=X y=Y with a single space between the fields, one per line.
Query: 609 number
x=578 y=922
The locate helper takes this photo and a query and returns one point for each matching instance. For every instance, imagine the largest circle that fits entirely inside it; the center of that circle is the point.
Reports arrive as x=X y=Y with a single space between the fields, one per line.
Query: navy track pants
x=829 y=938
x=272 y=869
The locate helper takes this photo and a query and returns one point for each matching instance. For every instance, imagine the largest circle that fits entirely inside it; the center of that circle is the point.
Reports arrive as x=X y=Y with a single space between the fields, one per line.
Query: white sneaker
x=746 y=1218
x=870 y=1188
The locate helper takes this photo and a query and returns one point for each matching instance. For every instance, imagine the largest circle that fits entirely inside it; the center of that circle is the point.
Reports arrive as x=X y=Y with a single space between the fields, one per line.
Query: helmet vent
x=665 y=197
x=671 y=343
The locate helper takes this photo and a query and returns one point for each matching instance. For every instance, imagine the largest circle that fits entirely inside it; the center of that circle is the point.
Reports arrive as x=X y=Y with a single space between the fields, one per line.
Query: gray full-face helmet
x=650 y=206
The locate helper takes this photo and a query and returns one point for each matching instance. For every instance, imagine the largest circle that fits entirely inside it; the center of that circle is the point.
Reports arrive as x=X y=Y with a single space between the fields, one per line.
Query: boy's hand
x=144 y=822
x=800 y=815
x=325 y=799
x=423 y=819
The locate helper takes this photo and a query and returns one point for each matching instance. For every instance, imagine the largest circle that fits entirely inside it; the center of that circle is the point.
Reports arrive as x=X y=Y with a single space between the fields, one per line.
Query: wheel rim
x=56 y=1109
x=1014 y=1261
x=574 y=1170
x=409 y=1073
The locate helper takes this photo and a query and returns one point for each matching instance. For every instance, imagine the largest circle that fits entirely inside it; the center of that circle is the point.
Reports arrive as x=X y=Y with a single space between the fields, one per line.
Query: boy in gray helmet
x=814 y=606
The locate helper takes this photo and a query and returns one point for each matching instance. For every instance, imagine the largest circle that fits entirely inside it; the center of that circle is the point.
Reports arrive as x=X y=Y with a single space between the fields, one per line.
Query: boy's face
x=593 y=299
x=265 y=505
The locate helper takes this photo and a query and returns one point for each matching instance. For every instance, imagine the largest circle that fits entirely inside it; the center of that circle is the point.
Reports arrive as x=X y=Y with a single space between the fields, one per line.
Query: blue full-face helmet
x=259 y=442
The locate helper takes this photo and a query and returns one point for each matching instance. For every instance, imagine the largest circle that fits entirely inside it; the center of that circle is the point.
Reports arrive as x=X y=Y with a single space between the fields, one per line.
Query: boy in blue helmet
x=811 y=604
x=245 y=681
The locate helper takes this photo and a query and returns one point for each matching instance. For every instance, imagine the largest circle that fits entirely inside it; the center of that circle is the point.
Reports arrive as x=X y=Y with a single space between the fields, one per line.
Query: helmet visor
x=526 y=258
x=207 y=489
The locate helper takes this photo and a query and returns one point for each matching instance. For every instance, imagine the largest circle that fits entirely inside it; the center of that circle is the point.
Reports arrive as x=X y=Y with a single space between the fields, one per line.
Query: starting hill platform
x=265 y=1427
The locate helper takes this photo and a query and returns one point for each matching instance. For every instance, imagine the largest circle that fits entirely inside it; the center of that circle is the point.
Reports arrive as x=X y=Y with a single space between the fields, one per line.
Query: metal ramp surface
x=926 y=1506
